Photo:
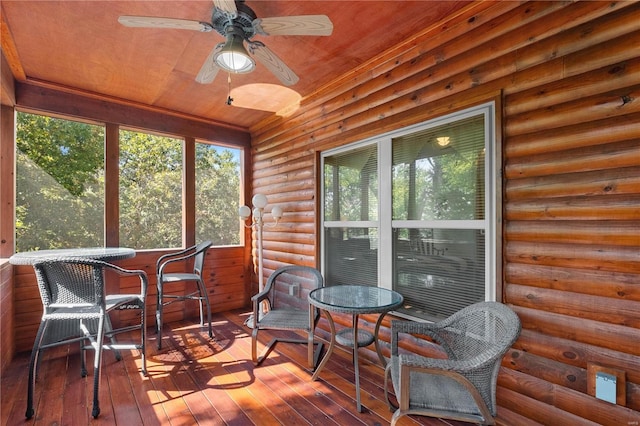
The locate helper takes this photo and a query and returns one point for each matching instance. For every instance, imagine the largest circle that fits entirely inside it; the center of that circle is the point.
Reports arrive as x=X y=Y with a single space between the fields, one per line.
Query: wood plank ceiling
x=81 y=45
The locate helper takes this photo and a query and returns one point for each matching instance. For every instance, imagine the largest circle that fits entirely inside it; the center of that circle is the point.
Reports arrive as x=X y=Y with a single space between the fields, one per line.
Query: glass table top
x=355 y=299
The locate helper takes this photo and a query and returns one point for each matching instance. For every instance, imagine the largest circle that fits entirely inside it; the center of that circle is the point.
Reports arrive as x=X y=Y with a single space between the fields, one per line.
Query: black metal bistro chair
x=287 y=308
x=76 y=308
x=188 y=274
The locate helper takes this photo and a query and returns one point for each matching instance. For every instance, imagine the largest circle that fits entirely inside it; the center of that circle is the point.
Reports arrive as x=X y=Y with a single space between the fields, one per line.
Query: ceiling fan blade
x=227 y=6
x=209 y=69
x=273 y=63
x=318 y=25
x=154 y=22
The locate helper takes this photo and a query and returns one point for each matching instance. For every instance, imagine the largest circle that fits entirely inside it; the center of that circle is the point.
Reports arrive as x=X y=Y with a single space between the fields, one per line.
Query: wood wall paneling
x=7 y=181
x=570 y=75
x=7 y=324
x=7 y=83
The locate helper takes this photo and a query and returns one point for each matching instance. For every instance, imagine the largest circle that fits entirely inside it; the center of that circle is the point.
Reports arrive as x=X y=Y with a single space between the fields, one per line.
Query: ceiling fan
x=238 y=23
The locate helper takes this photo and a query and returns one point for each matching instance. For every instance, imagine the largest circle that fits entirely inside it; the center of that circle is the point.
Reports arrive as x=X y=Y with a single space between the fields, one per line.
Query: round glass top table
x=354 y=300
x=107 y=254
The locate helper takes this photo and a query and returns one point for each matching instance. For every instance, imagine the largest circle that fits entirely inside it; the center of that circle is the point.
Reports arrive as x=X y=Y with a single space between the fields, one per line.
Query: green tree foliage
x=59 y=183
x=217 y=195
x=150 y=191
x=68 y=151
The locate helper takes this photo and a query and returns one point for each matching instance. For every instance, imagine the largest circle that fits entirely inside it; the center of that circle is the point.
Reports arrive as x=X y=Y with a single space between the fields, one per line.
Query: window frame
x=385 y=223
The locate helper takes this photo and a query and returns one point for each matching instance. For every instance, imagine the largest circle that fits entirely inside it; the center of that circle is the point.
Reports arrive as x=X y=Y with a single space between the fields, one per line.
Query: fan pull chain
x=229 y=98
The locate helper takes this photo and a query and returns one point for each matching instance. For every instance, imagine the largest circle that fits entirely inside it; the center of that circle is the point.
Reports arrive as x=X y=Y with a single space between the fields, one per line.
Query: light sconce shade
x=443 y=141
x=244 y=212
x=233 y=57
x=276 y=212
x=259 y=201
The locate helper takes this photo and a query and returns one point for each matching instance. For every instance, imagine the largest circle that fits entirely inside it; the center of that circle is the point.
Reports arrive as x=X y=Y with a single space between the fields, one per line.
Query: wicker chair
x=285 y=297
x=462 y=386
x=76 y=308
x=182 y=257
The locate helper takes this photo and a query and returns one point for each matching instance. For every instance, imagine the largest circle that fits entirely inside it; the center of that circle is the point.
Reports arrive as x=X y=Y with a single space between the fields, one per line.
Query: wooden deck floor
x=195 y=380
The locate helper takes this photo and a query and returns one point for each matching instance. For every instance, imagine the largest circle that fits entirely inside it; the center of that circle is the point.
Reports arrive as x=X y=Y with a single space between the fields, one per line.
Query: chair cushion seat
x=121 y=301
x=434 y=392
x=285 y=319
x=124 y=301
x=179 y=276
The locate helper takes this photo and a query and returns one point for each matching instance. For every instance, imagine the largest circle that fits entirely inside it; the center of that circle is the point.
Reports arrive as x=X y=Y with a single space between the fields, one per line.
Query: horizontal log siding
x=569 y=75
x=224 y=274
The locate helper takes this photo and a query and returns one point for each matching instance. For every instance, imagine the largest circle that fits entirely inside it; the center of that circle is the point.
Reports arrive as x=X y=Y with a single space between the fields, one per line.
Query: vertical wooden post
x=111 y=185
x=7 y=181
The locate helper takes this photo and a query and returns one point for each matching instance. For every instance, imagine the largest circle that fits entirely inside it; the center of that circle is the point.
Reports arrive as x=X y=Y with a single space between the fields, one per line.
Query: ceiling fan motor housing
x=242 y=23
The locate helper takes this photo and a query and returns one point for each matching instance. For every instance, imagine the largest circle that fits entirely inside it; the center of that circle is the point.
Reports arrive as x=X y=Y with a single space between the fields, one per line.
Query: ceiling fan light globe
x=233 y=57
x=235 y=62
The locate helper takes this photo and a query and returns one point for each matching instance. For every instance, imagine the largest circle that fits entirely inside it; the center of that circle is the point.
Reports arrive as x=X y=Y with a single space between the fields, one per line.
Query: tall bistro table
x=354 y=300
x=106 y=254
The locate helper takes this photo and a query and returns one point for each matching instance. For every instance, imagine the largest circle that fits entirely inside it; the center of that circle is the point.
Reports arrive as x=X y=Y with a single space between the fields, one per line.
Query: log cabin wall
x=568 y=75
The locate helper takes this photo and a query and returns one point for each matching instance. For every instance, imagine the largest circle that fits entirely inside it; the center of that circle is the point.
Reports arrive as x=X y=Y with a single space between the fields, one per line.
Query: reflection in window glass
x=217 y=194
x=438 y=173
x=351 y=255
x=438 y=271
x=351 y=196
x=59 y=183
x=150 y=191
x=351 y=185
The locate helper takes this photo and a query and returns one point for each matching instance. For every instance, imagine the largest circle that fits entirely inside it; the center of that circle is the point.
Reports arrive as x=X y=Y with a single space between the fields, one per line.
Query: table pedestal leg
x=383 y=361
x=355 y=362
x=329 y=350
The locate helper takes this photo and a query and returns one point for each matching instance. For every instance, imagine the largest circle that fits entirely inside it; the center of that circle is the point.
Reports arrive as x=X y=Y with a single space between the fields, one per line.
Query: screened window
x=150 y=191
x=217 y=194
x=59 y=183
x=61 y=187
x=412 y=211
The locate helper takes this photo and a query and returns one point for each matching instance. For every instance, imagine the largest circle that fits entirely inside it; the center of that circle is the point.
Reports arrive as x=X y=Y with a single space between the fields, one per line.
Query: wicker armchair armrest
x=414 y=327
x=430 y=330
x=264 y=294
x=144 y=280
x=435 y=365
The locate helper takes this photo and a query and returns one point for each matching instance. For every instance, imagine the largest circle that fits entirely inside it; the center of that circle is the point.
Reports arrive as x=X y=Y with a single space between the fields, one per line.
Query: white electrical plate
x=606 y=387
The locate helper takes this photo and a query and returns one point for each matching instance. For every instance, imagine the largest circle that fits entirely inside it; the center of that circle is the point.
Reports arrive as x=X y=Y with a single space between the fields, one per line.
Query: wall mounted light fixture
x=259 y=202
